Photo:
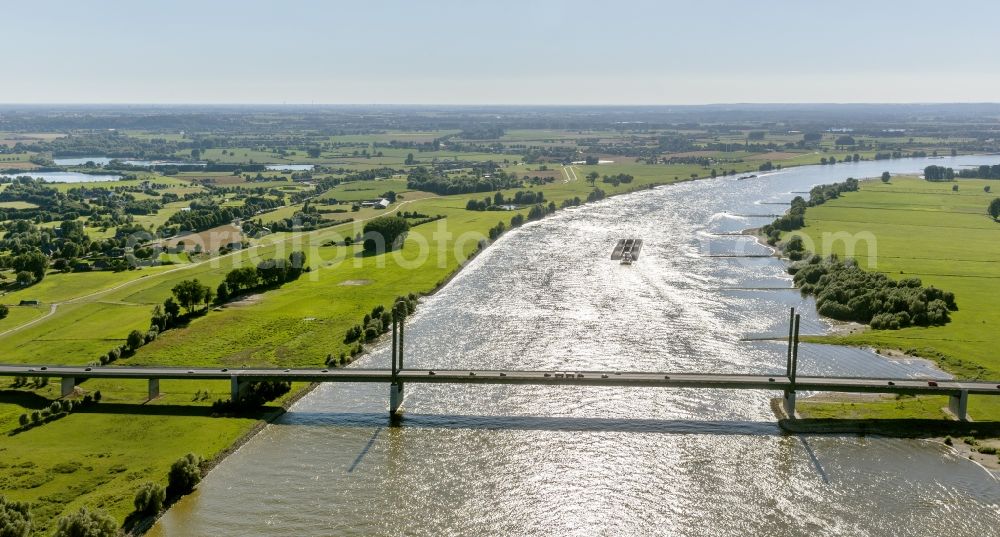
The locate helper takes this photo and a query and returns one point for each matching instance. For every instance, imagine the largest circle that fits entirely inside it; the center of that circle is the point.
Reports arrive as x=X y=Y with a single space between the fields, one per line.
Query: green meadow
x=915 y=228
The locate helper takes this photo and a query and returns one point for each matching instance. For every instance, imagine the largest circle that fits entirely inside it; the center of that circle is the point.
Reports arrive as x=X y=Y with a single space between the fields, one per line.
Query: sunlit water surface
x=530 y=460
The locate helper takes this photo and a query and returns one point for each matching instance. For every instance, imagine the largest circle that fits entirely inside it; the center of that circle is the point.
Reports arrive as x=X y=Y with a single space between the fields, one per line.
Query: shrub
x=97 y=396
x=85 y=523
x=149 y=498
x=255 y=394
x=67 y=467
x=24 y=420
x=134 y=340
x=184 y=474
x=994 y=208
x=15 y=518
x=55 y=407
x=36 y=417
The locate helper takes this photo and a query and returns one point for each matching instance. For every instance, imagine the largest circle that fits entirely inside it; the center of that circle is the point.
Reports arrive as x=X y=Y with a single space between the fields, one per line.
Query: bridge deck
x=556 y=378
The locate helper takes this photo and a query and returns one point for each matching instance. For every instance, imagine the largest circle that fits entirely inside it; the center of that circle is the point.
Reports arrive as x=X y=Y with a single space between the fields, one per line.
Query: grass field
x=925 y=230
x=17 y=205
x=98 y=457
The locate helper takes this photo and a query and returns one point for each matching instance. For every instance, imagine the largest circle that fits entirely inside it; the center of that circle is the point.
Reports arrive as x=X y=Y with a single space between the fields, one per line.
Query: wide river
x=524 y=460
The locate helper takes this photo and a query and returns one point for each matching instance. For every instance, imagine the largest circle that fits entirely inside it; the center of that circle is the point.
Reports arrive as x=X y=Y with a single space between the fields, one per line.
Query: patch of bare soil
x=355 y=282
x=248 y=300
x=988 y=460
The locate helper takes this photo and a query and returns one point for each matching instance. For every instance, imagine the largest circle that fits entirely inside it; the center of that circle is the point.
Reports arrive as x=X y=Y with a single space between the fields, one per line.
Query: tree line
x=438 y=181
x=192 y=294
x=794 y=218
x=498 y=200
x=204 y=216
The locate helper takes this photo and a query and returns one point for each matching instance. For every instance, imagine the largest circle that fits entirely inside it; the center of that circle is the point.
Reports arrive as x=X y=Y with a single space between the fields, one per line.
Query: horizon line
x=458 y=105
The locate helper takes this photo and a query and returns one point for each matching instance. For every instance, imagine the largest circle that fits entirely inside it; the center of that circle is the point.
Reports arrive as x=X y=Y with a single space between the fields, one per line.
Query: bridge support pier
x=236 y=388
x=67 y=385
x=788 y=403
x=959 y=405
x=154 y=388
x=395 y=398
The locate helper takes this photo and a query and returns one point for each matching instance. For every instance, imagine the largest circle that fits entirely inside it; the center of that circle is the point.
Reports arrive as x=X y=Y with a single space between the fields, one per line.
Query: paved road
x=573 y=378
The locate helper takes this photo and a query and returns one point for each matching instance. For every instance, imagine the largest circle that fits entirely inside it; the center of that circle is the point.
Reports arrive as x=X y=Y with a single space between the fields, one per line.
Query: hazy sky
x=499 y=52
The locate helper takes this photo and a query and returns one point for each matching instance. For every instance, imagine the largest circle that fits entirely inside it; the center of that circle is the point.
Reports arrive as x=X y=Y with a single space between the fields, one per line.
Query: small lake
x=65 y=177
x=103 y=161
x=290 y=167
x=100 y=161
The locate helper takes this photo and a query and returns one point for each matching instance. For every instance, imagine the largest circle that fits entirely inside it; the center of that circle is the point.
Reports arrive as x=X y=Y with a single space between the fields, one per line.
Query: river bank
x=977 y=442
x=858 y=212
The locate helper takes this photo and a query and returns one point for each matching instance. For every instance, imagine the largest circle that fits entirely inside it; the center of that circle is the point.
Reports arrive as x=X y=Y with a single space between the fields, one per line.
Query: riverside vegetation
x=899 y=290
x=82 y=264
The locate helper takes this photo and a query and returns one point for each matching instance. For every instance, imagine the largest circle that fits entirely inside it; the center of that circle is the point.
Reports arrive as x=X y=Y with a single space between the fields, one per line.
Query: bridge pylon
x=792 y=364
x=396 y=393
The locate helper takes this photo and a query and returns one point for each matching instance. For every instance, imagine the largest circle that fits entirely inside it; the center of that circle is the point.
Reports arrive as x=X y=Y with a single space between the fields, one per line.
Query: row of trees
x=204 y=216
x=613 y=180
x=833 y=160
x=267 y=274
x=939 y=173
x=190 y=294
x=982 y=172
x=55 y=410
x=520 y=198
x=486 y=177
x=794 y=218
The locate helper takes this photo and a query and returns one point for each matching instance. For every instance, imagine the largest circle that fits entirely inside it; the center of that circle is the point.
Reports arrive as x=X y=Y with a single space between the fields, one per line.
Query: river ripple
x=529 y=460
